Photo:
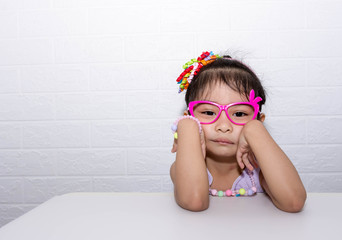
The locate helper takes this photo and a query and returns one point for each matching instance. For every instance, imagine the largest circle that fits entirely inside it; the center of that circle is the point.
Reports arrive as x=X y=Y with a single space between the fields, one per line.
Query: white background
x=88 y=90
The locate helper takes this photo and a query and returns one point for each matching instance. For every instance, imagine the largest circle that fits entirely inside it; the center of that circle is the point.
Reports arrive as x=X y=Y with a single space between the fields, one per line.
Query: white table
x=103 y=216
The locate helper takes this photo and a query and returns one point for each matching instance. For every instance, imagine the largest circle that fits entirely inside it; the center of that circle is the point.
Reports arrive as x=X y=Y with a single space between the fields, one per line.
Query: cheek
x=238 y=131
x=206 y=130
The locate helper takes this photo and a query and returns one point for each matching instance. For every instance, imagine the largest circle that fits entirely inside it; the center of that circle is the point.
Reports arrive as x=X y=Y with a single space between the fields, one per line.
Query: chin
x=221 y=153
x=217 y=150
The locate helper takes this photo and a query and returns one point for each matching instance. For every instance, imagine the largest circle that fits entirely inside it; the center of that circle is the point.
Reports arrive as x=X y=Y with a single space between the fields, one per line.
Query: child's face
x=222 y=136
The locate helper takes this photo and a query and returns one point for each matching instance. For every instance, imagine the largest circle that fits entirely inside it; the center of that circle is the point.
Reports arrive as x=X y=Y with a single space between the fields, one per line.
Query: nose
x=223 y=123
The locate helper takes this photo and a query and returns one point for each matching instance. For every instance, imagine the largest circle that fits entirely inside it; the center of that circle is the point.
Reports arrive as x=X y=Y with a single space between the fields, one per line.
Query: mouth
x=223 y=141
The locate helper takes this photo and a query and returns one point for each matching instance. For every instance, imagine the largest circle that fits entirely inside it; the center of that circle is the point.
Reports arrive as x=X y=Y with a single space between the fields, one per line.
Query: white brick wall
x=88 y=93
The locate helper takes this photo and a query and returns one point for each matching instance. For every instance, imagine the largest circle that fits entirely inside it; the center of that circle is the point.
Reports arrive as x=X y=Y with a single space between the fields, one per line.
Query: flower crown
x=193 y=67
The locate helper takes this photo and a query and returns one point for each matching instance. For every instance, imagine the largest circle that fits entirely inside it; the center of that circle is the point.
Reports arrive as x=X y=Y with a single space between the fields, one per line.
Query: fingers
x=247 y=160
x=203 y=146
x=174 y=147
x=250 y=161
x=239 y=156
x=204 y=150
x=253 y=160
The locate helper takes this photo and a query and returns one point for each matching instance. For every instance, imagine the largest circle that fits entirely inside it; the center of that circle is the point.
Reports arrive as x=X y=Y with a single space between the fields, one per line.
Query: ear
x=185 y=113
x=262 y=117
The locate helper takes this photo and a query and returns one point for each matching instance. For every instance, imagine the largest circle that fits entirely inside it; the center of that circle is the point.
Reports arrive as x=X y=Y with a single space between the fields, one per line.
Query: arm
x=278 y=177
x=189 y=172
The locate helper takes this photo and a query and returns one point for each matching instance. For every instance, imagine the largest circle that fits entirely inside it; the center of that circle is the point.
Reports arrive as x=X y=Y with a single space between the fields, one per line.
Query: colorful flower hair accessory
x=193 y=67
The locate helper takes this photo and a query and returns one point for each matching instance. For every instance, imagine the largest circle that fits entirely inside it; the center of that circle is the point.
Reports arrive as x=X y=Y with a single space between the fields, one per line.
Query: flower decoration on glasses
x=192 y=67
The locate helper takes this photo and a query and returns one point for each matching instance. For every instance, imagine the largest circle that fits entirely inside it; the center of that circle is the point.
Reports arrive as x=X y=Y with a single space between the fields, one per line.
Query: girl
x=221 y=144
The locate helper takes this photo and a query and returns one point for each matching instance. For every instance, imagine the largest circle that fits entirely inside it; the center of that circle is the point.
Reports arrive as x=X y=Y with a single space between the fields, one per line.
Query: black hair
x=237 y=75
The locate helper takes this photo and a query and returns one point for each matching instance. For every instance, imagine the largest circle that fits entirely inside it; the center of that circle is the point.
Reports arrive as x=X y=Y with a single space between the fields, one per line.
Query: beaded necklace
x=236 y=193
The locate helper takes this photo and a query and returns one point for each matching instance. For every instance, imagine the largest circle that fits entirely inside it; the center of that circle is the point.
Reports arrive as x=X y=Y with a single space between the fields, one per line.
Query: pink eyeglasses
x=238 y=113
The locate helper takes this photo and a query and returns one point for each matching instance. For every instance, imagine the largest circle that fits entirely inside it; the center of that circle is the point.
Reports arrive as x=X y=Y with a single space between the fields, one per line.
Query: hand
x=174 y=147
x=244 y=154
x=203 y=146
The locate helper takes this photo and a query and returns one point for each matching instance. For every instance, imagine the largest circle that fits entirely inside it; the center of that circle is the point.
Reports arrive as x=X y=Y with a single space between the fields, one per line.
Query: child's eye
x=209 y=113
x=240 y=114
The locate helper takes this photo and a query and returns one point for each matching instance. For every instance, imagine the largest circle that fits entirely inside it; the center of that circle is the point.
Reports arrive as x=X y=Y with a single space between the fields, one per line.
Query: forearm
x=189 y=170
x=283 y=182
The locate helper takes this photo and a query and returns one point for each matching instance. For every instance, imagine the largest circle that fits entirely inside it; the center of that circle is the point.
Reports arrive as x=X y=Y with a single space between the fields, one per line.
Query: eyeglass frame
x=252 y=102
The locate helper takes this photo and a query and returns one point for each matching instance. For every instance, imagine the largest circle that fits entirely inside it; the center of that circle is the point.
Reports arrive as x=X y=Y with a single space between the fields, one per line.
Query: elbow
x=298 y=202
x=195 y=204
x=295 y=205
